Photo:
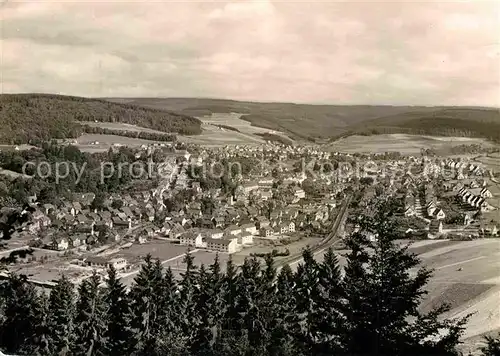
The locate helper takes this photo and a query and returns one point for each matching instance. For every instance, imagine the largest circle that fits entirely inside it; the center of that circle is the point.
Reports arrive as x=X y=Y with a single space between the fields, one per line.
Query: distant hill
x=321 y=122
x=29 y=117
x=466 y=122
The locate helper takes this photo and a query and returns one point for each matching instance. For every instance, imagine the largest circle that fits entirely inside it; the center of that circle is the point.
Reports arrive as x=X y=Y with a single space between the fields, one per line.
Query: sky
x=399 y=53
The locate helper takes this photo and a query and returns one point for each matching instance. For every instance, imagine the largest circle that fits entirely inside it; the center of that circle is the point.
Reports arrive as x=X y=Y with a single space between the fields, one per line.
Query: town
x=273 y=198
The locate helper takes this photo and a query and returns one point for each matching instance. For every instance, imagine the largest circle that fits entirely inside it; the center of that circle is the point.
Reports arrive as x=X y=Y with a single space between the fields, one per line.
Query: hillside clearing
x=119 y=126
x=213 y=136
x=101 y=143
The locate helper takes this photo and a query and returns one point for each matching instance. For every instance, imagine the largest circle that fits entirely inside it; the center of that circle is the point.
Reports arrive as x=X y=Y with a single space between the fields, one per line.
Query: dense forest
x=251 y=310
x=28 y=118
x=83 y=175
x=154 y=136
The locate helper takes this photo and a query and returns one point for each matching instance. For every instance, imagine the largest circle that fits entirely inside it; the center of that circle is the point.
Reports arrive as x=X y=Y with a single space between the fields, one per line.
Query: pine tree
x=117 y=317
x=252 y=318
x=40 y=343
x=307 y=297
x=382 y=301
x=329 y=318
x=266 y=303
x=210 y=306
x=144 y=295
x=285 y=323
x=90 y=325
x=492 y=347
x=23 y=313
x=60 y=317
x=189 y=287
x=230 y=331
x=173 y=341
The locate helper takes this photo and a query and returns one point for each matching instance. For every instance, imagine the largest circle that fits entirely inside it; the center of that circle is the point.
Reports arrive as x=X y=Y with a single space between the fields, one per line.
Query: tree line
x=369 y=307
x=145 y=135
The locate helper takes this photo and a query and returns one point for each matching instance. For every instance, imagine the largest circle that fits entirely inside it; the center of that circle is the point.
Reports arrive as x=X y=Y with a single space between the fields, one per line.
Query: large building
x=226 y=245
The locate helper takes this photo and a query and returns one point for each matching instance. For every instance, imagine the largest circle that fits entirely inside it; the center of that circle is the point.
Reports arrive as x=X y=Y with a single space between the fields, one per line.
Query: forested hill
x=466 y=122
x=320 y=122
x=29 y=117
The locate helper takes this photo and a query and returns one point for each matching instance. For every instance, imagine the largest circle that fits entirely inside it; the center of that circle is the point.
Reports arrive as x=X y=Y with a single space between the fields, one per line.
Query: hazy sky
x=427 y=53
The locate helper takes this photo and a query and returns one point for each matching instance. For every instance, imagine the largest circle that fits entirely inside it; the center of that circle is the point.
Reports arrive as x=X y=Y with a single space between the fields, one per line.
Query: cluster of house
x=472 y=193
x=74 y=224
x=463 y=169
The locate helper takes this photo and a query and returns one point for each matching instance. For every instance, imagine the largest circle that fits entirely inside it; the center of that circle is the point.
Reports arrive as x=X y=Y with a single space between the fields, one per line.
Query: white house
x=60 y=244
x=227 y=245
x=245 y=238
x=215 y=234
x=118 y=263
x=410 y=212
x=233 y=230
x=299 y=193
x=282 y=229
x=439 y=214
x=191 y=238
x=250 y=228
x=485 y=193
x=266 y=231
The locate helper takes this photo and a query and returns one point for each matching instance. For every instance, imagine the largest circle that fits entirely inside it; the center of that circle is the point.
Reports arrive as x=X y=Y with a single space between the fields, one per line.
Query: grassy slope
x=27 y=117
x=327 y=121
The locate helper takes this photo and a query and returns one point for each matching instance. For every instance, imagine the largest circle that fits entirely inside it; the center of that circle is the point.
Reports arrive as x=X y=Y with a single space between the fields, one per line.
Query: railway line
x=327 y=242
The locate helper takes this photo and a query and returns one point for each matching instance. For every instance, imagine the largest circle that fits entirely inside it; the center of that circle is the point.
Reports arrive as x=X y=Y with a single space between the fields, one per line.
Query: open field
x=16 y=147
x=406 y=144
x=161 y=250
x=491 y=161
x=233 y=120
x=85 y=142
x=201 y=257
x=213 y=136
x=119 y=126
x=473 y=289
x=243 y=126
x=12 y=174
